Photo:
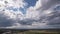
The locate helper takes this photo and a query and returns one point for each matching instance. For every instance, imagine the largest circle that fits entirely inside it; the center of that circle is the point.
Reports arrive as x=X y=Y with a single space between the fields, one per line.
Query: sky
x=30 y=2
x=30 y=14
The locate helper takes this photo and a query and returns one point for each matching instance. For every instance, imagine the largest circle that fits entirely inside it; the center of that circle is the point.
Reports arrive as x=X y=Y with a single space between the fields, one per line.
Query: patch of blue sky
x=31 y=2
x=57 y=8
x=12 y=8
x=23 y=10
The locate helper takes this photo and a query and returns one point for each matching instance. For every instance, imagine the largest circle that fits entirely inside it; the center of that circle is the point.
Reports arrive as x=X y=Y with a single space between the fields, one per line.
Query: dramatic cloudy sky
x=30 y=14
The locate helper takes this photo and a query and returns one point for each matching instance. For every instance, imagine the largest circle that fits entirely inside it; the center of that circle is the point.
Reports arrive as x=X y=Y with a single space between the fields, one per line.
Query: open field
x=31 y=31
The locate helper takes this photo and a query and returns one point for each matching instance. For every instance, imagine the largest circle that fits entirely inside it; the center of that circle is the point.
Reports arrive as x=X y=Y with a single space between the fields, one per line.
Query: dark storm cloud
x=54 y=19
x=4 y=21
x=27 y=21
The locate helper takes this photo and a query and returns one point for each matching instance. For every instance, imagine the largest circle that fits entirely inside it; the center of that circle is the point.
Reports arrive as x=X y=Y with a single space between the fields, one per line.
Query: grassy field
x=41 y=32
x=30 y=31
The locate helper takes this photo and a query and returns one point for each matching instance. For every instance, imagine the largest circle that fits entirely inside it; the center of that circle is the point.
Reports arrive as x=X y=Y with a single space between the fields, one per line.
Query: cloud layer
x=44 y=14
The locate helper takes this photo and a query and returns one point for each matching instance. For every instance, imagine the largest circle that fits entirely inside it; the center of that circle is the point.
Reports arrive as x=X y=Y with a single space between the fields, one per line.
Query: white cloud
x=13 y=3
x=31 y=13
x=38 y=4
x=10 y=16
x=32 y=19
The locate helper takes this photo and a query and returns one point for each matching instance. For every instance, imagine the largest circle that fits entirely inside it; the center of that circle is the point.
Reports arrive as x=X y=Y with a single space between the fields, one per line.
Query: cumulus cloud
x=9 y=17
x=42 y=15
x=38 y=4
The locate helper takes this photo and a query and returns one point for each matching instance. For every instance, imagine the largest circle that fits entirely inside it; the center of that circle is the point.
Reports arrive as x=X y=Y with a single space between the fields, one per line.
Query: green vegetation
x=31 y=31
x=40 y=32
